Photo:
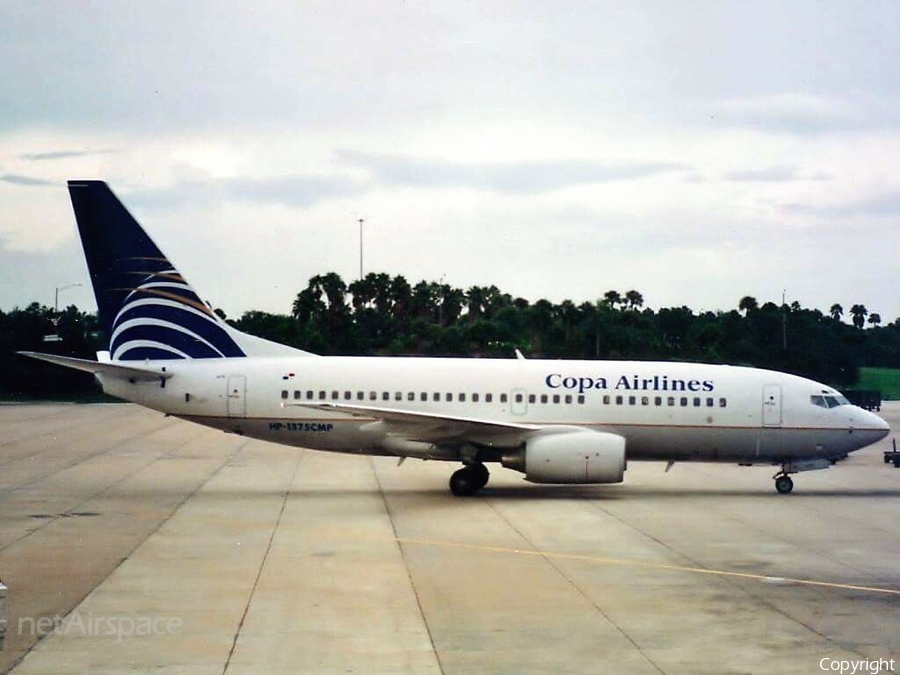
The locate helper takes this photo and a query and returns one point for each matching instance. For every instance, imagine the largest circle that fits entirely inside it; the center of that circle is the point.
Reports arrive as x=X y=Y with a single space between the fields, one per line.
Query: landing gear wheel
x=784 y=484
x=464 y=483
x=481 y=474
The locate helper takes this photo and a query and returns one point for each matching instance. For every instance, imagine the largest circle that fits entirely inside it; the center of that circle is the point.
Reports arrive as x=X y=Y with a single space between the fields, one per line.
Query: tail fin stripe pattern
x=149 y=329
x=140 y=350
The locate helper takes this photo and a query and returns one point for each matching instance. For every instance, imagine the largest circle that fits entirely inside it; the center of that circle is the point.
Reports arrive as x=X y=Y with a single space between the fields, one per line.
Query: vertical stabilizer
x=148 y=309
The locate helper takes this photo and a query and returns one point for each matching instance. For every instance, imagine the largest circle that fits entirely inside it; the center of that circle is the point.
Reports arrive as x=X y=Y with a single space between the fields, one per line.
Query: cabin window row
x=436 y=396
x=671 y=401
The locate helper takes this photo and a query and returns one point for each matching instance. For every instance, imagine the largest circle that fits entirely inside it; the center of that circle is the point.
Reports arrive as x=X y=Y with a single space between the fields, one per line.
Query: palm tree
x=874 y=318
x=748 y=304
x=836 y=312
x=634 y=299
x=859 y=313
x=612 y=298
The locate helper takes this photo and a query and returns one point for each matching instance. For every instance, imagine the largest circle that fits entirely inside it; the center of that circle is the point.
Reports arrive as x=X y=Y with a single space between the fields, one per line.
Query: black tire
x=464 y=483
x=481 y=473
x=784 y=484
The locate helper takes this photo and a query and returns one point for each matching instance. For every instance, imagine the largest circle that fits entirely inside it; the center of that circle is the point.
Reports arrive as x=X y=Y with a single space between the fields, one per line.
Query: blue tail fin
x=148 y=309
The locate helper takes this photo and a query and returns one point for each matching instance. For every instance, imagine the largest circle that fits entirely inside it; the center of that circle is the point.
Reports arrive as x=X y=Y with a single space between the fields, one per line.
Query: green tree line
x=386 y=315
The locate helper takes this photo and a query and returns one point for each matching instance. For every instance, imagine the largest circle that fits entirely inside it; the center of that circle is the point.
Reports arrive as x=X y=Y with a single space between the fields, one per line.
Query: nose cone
x=878 y=424
x=873 y=427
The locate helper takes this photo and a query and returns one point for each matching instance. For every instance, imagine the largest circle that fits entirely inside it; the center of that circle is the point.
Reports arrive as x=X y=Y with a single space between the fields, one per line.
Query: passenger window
x=657 y=401
x=321 y=395
x=385 y=396
x=309 y=395
x=696 y=402
x=645 y=400
x=581 y=399
x=398 y=395
x=568 y=399
x=488 y=398
x=297 y=394
x=709 y=403
x=543 y=398
x=556 y=398
x=334 y=395
x=532 y=398
x=606 y=400
x=373 y=395
x=722 y=403
x=360 y=396
x=671 y=400
x=449 y=396
x=411 y=396
x=348 y=395
x=503 y=398
x=462 y=397
x=436 y=396
x=474 y=398
x=684 y=401
x=423 y=396
x=284 y=393
x=631 y=400
x=519 y=398
x=619 y=400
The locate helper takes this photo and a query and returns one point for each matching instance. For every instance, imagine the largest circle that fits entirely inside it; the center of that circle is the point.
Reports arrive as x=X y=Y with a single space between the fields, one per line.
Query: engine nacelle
x=579 y=456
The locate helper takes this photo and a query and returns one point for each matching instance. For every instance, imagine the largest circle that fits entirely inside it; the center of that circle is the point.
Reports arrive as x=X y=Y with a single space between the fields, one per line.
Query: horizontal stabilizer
x=106 y=369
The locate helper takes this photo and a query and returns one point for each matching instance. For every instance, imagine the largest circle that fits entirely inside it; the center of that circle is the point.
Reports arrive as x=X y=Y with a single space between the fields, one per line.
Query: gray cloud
x=883 y=206
x=511 y=177
x=290 y=191
x=62 y=154
x=29 y=181
x=774 y=174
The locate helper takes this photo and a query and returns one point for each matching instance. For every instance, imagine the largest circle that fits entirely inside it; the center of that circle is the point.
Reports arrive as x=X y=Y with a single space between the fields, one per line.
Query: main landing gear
x=783 y=483
x=469 y=480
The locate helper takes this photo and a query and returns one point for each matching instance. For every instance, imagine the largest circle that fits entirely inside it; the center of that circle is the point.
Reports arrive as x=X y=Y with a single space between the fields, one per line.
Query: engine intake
x=581 y=456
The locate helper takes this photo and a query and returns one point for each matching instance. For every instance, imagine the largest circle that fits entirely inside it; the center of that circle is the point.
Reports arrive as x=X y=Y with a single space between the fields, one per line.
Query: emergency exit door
x=237 y=396
x=771 y=405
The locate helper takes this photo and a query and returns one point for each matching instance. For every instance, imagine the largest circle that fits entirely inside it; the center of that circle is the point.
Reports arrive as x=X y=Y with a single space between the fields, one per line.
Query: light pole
x=360 y=250
x=56 y=296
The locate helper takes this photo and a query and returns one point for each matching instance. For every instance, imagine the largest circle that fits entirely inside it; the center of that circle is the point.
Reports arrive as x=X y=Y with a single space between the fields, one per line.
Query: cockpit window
x=828 y=400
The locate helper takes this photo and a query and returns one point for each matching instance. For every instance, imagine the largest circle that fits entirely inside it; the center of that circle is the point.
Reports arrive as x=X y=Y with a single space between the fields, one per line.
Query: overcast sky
x=696 y=152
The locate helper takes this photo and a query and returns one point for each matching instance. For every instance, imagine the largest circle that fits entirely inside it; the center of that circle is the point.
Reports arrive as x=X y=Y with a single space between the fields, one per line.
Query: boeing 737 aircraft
x=555 y=421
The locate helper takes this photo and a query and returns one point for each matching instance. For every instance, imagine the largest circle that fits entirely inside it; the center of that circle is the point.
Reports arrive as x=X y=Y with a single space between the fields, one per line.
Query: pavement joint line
x=647 y=565
x=163 y=521
x=18 y=488
x=409 y=575
x=95 y=495
x=262 y=563
x=549 y=560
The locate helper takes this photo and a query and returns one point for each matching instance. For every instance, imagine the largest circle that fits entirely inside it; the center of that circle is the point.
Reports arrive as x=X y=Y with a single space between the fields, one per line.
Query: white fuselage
x=666 y=411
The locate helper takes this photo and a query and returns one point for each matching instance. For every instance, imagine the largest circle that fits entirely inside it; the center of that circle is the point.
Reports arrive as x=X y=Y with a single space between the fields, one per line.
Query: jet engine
x=577 y=456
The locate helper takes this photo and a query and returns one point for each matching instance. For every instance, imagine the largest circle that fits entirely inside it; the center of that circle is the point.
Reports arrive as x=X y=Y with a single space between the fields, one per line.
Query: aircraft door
x=236 y=396
x=518 y=401
x=771 y=405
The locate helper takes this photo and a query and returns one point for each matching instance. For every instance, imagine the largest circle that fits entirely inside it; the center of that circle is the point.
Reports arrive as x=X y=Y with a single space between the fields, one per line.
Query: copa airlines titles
x=626 y=383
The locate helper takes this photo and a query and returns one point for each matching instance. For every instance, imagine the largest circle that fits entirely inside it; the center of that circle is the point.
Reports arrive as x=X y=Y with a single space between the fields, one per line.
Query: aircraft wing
x=103 y=368
x=430 y=427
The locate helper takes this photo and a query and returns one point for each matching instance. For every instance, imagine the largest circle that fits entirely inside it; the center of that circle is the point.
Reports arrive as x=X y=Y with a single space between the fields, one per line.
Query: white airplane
x=555 y=421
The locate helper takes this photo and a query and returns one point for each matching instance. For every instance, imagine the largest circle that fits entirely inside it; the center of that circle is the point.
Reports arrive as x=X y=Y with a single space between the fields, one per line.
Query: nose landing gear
x=468 y=480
